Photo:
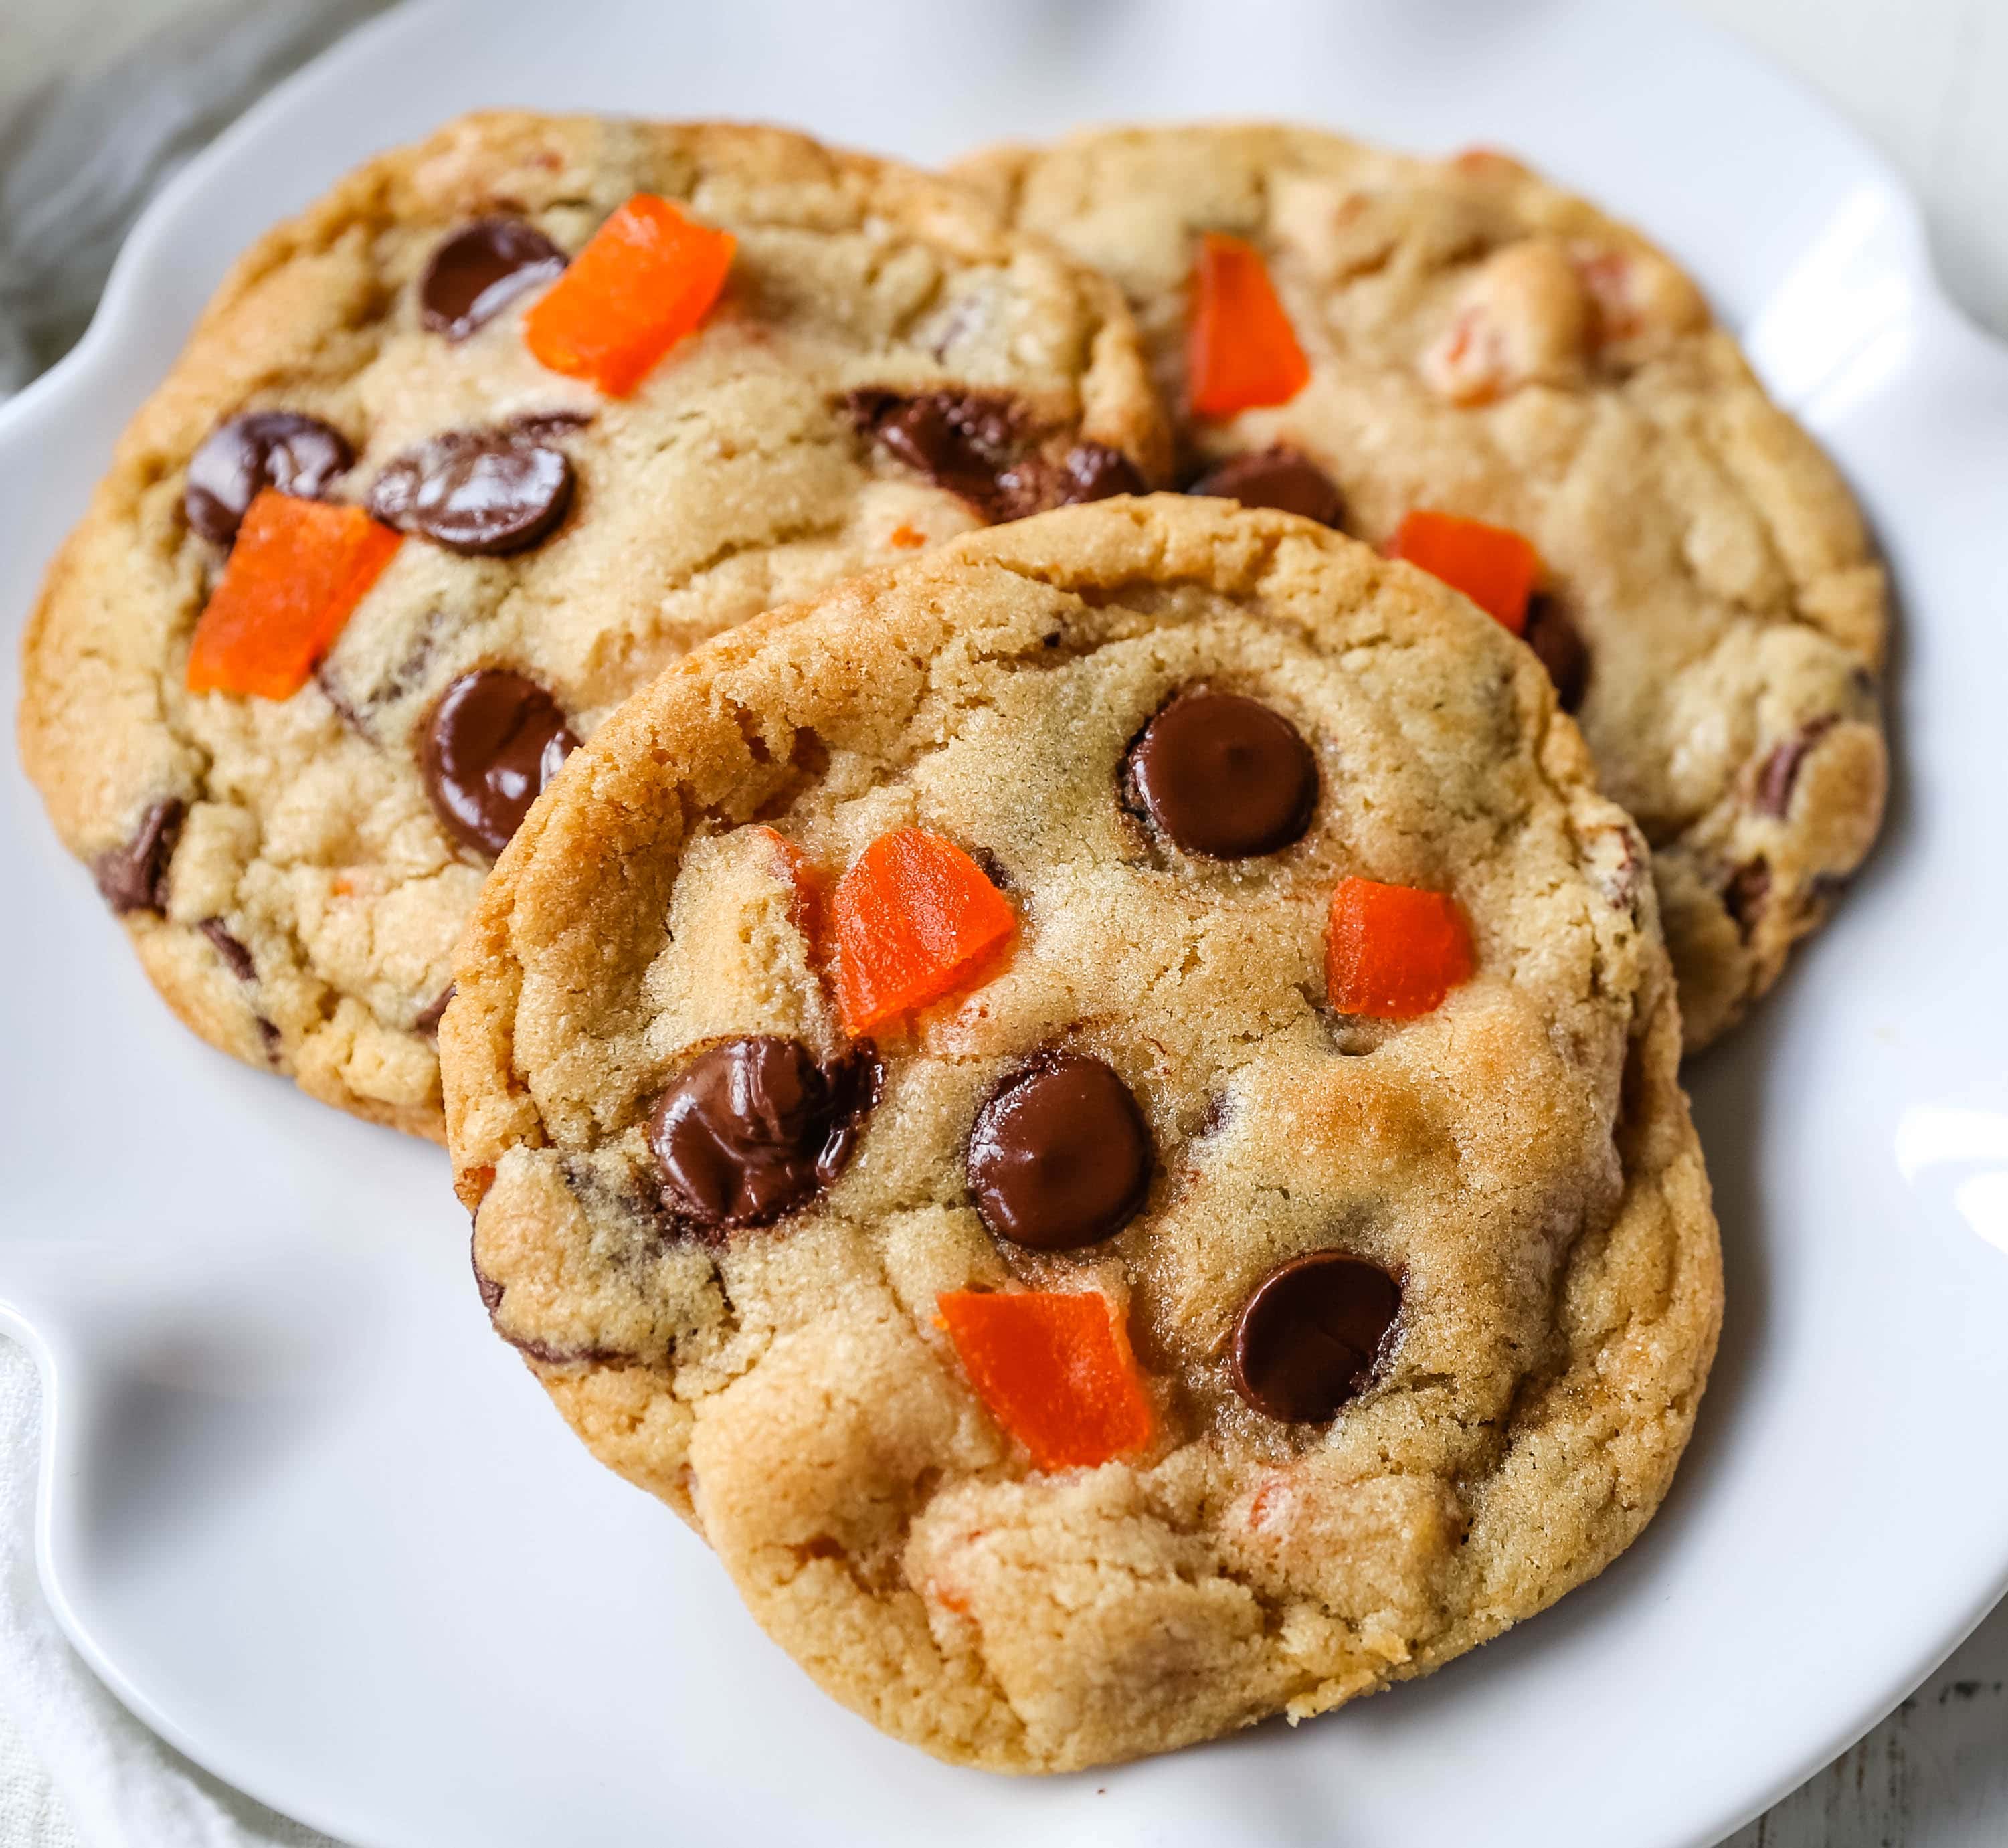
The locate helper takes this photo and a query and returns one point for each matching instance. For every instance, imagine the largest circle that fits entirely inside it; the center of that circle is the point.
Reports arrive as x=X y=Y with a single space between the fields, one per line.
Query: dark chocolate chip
x=1225 y=775
x=1743 y=897
x=1312 y=1334
x=494 y=739
x=753 y=1128
x=480 y=270
x=233 y=953
x=478 y=491
x=1094 y=472
x=541 y=426
x=430 y=1015
x=1286 y=480
x=490 y=1289
x=1059 y=1156
x=966 y=442
x=263 y=449
x=134 y=878
x=550 y=1355
x=1781 y=767
x=1560 y=647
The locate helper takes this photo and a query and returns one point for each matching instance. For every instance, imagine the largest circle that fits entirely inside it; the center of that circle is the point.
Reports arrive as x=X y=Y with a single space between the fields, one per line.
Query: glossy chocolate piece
x=134 y=878
x=430 y=1015
x=1224 y=776
x=475 y=491
x=494 y=741
x=1060 y=1157
x=1560 y=645
x=1311 y=1335
x=243 y=456
x=1780 y=772
x=754 y=1128
x=1094 y=472
x=966 y=442
x=1744 y=894
x=982 y=447
x=235 y=956
x=1284 y=478
x=480 y=270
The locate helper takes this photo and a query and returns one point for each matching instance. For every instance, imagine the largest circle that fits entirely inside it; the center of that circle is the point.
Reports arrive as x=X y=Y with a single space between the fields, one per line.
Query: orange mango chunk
x=1492 y=565
x=298 y=570
x=1241 y=351
x=648 y=277
x=912 y=919
x=1053 y=1369
x=1393 y=952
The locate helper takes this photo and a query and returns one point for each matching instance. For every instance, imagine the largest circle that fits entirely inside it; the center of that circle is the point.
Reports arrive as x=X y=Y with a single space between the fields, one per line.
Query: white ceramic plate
x=314 y=1522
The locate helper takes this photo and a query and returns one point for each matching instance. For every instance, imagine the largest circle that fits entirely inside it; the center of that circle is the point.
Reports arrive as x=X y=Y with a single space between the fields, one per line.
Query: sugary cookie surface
x=1098 y=1110
x=1459 y=361
x=459 y=457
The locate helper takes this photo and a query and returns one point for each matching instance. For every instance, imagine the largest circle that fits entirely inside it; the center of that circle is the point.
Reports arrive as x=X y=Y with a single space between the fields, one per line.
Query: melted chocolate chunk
x=480 y=270
x=1560 y=649
x=754 y=1128
x=1094 y=472
x=966 y=442
x=263 y=449
x=493 y=741
x=134 y=878
x=1060 y=1157
x=1744 y=896
x=1781 y=767
x=429 y=1016
x=1312 y=1334
x=1224 y=776
x=982 y=446
x=233 y=953
x=475 y=491
x=541 y=426
x=1286 y=480
x=490 y=1289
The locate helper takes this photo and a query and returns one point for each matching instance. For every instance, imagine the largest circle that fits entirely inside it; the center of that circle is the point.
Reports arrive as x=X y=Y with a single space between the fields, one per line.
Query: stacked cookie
x=1092 y=1096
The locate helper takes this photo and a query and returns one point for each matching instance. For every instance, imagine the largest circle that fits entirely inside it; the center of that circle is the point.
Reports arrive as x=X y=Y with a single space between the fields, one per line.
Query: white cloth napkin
x=76 y=1770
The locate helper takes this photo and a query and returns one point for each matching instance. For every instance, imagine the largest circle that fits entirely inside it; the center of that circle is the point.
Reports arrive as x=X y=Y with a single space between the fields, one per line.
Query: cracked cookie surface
x=1482 y=342
x=285 y=879
x=1409 y=1308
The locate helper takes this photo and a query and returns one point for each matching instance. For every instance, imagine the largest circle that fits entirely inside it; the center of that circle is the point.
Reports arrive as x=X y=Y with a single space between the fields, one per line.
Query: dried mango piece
x=1053 y=1369
x=298 y=570
x=1393 y=952
x=648 y=277
x=1241 y=351
x=1492 y=565
x=911 y=918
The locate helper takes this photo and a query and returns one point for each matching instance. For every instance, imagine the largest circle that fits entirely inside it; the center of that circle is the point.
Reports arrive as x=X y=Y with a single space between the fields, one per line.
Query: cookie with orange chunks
x=1456 y=359
x=1097 y=1111
x=459 y=457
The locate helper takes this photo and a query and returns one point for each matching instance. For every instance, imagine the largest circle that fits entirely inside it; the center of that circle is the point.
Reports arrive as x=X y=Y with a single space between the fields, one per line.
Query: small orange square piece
x=1054 y=1368
x=1392 y=952
x=295 y=574
x=648 y=277
x=1492 y=565
x=1241 y=351
x=913 y=918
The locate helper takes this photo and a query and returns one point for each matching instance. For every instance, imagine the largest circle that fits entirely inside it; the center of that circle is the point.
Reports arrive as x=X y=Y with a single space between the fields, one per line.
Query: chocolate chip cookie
x=458 y=458
x=1098 y=1110
x=1361 y=337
